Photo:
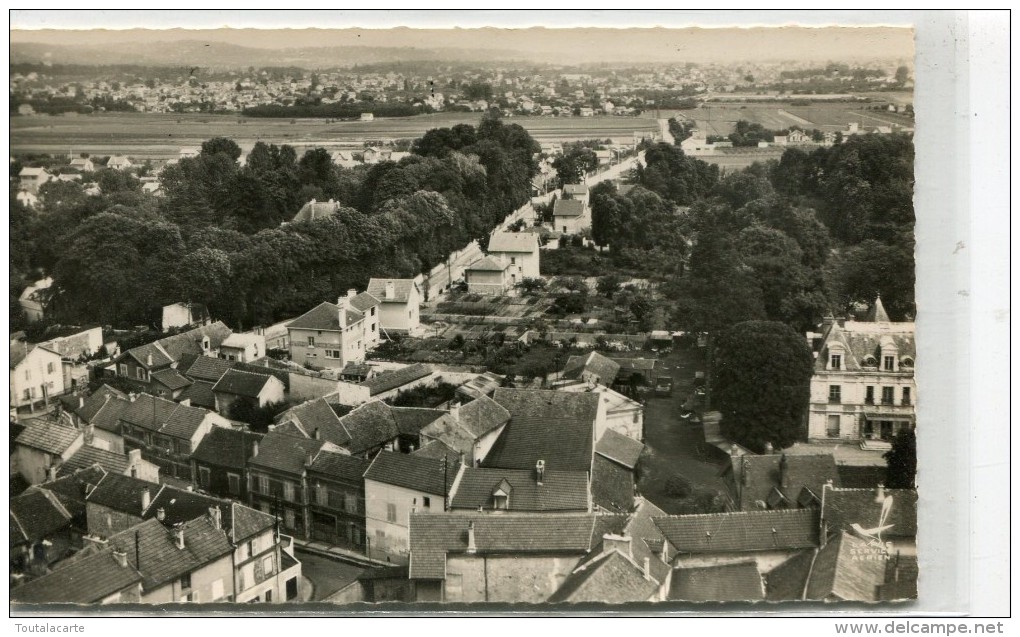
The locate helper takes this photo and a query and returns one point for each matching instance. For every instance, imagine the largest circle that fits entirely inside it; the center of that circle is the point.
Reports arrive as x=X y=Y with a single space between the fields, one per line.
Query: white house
x=243 y=347
x=184 y=315
x=33 y=178
x=119 y=162
x=489 y=276
x=34 y=298
x=520 y=250
x=399 y=304
x=36 y=374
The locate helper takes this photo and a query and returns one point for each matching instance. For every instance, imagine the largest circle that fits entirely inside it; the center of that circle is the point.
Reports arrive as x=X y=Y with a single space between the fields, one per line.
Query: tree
x=902 y=74
x=608 y=284
x=571 y=167
x=901 y=461
x=221 y=145
x=760 y=383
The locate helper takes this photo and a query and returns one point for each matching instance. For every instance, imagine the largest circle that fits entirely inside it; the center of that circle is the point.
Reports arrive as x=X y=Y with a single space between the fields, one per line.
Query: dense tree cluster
x=222 y=235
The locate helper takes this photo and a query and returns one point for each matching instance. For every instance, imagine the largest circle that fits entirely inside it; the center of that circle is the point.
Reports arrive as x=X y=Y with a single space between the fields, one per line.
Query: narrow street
x=326 y=575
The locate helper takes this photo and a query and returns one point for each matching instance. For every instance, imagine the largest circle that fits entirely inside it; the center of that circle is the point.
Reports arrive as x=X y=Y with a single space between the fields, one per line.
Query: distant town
x=492 y=361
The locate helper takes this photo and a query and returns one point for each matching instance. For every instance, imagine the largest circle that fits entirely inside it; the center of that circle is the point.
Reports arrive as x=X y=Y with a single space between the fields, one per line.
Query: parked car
x=664 y=386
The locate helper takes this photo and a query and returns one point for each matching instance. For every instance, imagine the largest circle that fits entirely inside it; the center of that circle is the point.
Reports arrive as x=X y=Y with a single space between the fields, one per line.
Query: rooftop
x=738 y=582
x=559 y=490
x=83 y=581
x=780 y=529
x=285 y=453
x=776 y=479
x=226 y=447
x=619 y=448
x=397 y=378
x=513 y=242
x=245 y=384
x=50 y=437
x=594 y=363
x=568 y=208
x=325 y=317
x=414 y=472
x=401 y=289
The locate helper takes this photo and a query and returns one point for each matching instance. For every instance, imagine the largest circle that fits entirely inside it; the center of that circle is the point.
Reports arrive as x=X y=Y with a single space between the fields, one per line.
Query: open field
x=160 y=136
x=721 y=119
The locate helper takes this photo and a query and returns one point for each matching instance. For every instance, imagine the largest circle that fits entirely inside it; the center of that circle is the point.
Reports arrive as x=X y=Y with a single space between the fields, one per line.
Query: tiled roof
x=84 y=581
x=238 y=383
x=180 y=505
x=401 y=289
x=559 y=491
x=123 y=493
x=411 y=420
x=369 y=426
x=841 y=508
x=612 y=486
x=363 y=302
x=70 y=490
x=284 y=453
x=96 y=400
x=619 y=448
x=108 y=416
x=860 y=339
x=488 y=264
x=149 y=412
x=786 y=581
x=326 y=317
x=847 y=568
x=88 y=455
x=568 y=208
x=545 y=425
x=184 y=422
x=753 y=478
x=397 y=378
x=418 y=473
x=37 y=514
x=208 y=368
x=433 y=536
x=635 y=364
x=513 y=242
x=200 y=393
x=475 y=419
x=318 y=416
x=738 y=582
x=594 y=363
x=158 y=558
x=340 y=466
x=647 y=540
x=247 y=522
x=481 y=385
x=171 y=379
x=741 y=531
x=50 y=437
x=170 y=349
x=225 y=447
x=610 y=578
x=575 y=189
x=438 y=449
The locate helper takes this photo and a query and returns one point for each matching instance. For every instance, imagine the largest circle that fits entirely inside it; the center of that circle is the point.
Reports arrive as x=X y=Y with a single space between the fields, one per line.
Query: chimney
x=146 y=499
x=390 y=290
x=539 y=472
x=734 y=450
x=880 y=493
x=134 y=456
x=342 y=313
x=664 y=553
x=81 y=402
x=827 y=321
x=89 y=434
x=309 y=457
x=51 y=473
x=132 y=396
x=121 y=558
x=768 y=448
x=620 y=543
x=160 y=514
x=455 y=412
x=179 y=536
x=216 y=517
x=648 y=568
x=410 y=448
x=254 y=448
x=316 y=434
x=351 y=293
x=471 y=547
x=148 y=360
x=784 y=473
x=841 y=321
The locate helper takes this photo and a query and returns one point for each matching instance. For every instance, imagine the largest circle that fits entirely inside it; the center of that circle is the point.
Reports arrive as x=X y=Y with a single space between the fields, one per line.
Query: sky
x=558 y=43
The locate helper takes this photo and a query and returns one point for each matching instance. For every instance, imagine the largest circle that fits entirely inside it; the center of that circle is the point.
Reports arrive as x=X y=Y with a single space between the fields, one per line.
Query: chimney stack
x=179 y=536
x=341 y=303
x=648 y=568
x=316 y=434
x=89 y=435
x=81 y=402
x=768 y=448
x=784 y=473
x=390 y=290
x=121 y=558
x=351 y=293
x=734 y=450
x=146 y=499
x=148 y=360
x=160 y=514
x=539 y=472
x=254 y=448
x=471 y=547
x=51 y=473
x=309 y=457
x=880 y=493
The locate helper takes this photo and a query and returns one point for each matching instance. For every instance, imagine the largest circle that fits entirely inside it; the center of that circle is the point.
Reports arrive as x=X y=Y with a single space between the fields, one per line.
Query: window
x=269 y=596
x=906 y=395
x=373 y=324
x=836 y=361
x=332 y=353
x=391 y=512
x=513 y=260
x=264 y=485
x=834 y=394
x=500 y=502
x=234 y=484
x=122 y=369
x=410 y=314
x=203 y=477
x=267 y=565
x=28 y=374
x=373 y=314
x=28 y=394
x=191 y=597
x=140 y=373
x=311 y=341
x=289 y=519
x=351 y=502
x=889 y=363
x=186 y=581
x=869 y=395
x=321 y=495
x=887 y=395
x=49 y=367
x=426 y=502
x=288 y=491
x=832 y=426
x=637 y=417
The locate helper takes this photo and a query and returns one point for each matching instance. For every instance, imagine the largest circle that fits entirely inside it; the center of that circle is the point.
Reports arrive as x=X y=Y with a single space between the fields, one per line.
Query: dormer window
x=501 y=496
x=870 y=361
x=889 y=363
x=906 y=361
x=836 y=361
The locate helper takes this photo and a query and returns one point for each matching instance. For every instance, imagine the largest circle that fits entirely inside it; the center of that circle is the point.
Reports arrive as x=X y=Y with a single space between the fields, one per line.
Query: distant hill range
x=218 y=55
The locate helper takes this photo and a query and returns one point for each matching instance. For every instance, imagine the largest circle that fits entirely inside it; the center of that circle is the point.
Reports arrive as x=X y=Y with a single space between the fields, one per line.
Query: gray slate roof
x=87 y=580
x=88 y=455
x=397 y=378
x=843 y=507
x=594 y=363
x=51 y=437
x=160 y=561
x=568 y=208
x=513 y=242
x=610 y=578
x=738 y=582
x=769 y=530
x=619 y=448
x=340 y=466
x=226 y=447
x=325 y=317
x=284 y=453
x=401 y=289
x=418 y=473
x=559 y=491
x=238 y=383
x=755 y=477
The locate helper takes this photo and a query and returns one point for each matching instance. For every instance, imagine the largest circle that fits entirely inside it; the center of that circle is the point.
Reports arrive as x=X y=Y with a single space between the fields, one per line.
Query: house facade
x=489 y=277
x=336 y=502
x=42 y=447
x=399 y=304
x=863 y=382
x=518 y=249
x=37 y=374
x=218 y=463
x=243 y=348
x=329 y=335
